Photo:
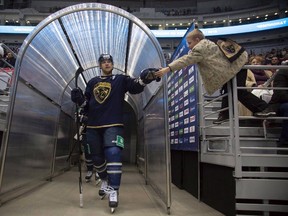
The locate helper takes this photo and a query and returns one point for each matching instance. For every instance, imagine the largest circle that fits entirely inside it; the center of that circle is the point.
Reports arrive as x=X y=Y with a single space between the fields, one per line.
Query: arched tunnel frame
x=154 y=59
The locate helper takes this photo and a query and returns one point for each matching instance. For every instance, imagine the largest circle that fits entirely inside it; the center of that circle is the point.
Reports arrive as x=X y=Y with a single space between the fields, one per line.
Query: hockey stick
x=80 y=70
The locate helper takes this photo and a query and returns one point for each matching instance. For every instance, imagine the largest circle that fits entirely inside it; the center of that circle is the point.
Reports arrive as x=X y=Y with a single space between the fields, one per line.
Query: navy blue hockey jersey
x=105 y=99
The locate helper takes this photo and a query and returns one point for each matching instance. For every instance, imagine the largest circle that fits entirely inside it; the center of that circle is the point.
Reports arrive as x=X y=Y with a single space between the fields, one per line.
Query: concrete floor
x=61 y=198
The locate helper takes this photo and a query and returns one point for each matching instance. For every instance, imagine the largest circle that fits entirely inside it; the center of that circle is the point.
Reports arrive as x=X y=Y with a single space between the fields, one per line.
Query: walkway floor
x=61 y=198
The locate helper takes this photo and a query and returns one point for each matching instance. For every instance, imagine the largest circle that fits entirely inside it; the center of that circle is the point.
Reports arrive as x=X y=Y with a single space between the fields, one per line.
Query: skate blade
x=102 y=197
x=98 y=182
x=112 y=210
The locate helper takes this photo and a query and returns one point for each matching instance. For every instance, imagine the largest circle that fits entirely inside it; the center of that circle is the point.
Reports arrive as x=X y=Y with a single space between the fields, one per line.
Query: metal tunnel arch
x=41 y=113
x=138 y=50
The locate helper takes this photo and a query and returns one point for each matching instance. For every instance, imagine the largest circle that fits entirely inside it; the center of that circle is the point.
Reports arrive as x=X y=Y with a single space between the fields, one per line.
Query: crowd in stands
x=7 y=59
x=259 y=77
x=272 y=57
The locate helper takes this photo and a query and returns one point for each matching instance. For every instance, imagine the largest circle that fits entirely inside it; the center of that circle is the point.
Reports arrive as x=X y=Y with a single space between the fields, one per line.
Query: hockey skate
x=88 y=176
x=102 y=190
x=112 y=198
x=97 y=178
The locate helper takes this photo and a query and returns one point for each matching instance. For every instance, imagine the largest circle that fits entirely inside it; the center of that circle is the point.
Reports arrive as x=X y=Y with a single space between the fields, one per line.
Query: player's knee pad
x=113 y=154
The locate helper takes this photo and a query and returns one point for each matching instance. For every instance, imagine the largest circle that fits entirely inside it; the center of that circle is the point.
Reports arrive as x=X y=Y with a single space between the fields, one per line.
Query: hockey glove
x=148 y=75
x=77 y=96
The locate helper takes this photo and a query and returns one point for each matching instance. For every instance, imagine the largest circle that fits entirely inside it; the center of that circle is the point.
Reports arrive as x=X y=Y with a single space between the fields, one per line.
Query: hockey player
x=103 y=102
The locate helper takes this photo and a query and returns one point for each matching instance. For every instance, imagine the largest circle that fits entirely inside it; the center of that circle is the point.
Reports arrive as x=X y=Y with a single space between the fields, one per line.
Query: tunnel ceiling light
x=248 y=18
x=266 y=15
x=257 y=17
x=275 y=13
x=214 y=21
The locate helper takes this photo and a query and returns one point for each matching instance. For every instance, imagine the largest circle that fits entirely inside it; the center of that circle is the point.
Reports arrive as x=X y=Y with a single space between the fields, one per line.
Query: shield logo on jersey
x=101 y=91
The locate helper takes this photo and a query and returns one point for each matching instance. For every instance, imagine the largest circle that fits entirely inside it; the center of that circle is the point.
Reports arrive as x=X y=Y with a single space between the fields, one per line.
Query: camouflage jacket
x=215 y=69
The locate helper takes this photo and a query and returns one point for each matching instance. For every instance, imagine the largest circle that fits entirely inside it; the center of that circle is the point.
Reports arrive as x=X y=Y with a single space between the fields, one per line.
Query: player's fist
x=77 y=96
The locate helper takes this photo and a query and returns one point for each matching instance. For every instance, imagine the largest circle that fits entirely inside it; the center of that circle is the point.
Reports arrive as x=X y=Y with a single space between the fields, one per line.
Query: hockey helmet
x=104 y=57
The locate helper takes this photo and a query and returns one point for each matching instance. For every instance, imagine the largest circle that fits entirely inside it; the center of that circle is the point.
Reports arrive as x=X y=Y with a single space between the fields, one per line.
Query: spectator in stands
x=274 y=61
x=216 y=70
x=250 y=82
x=283 y=54
x=279 y=103
x=261 y=76
x=10 y=60
x=268 y=58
